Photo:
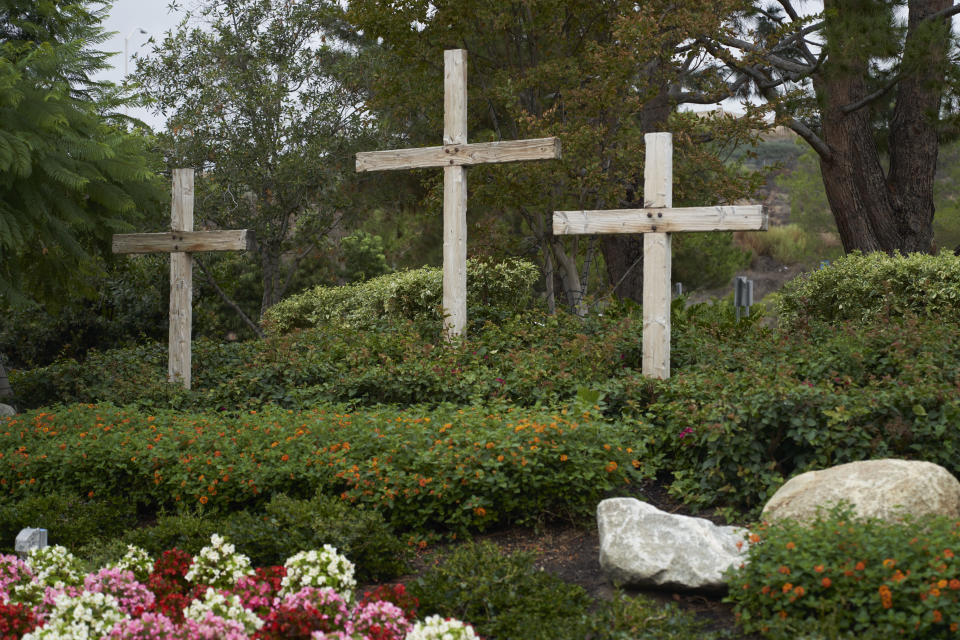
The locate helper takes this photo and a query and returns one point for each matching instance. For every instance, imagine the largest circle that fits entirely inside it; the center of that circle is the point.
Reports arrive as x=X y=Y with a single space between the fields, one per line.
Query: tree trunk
x=5 y=390
x=623 y=254
x=879 y=210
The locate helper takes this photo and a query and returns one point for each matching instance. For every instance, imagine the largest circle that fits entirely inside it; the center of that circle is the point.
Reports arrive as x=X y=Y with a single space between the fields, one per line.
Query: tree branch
x=230 y=303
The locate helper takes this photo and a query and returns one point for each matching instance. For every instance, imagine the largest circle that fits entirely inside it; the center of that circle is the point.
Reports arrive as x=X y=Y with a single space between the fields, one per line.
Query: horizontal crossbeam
x=666 y=220
x=184 y=241
x=453 y=155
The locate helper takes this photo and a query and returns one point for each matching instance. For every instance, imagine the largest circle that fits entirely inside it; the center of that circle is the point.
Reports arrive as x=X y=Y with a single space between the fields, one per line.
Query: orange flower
x=564 y=457
x=799 y=590
x=783 y=615
x=611 y=467
x=947 y=553
x=284 y=457
x=886 y=598
x=203 y=499
x=765 y=590
x=937 y=616
x=490 y=445
x=784 y=570
x=826 y=583
x=942 y=584
x=935 y=592
x=954 y=584
x=787 y=588
x=500 y=458
x=754 y=538
x=889 y=563
x=90 y=494
x=791 y=546
x=953 y=627
x=480 y=512
x=818 y=568
x=860 y=566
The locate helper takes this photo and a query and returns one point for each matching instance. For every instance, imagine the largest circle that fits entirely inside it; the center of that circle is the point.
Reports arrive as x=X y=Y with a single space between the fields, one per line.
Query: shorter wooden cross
x=656 y=221
x=180 y=243
x=454 y=156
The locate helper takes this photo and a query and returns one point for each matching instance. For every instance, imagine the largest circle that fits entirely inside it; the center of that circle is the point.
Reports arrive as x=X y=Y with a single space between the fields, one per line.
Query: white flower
x=88 y=615
x=436 y=628
x=218 y=565
x=326 y=568
x=227 y=607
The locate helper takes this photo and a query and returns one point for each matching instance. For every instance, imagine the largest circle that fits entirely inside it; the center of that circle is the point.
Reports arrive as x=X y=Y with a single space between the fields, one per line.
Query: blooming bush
x=133 y=597
x=13 y=572
x=324 y=568
x=258 y=592
x=436 y=628
x=300 y=614
x=88 y=615
x=138 y=561
x=16 y=619
x=218 y=565
x=841 y=576
x=379 y=620
x=225 y=606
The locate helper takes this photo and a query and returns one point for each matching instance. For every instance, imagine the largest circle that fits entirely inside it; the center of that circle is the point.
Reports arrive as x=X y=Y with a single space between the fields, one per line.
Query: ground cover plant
x=842 y=576
x=384 y=438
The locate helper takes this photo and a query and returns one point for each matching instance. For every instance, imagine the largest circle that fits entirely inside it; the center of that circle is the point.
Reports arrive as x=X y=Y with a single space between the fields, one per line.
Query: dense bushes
x=840 y=576
x=864 y=286
x=446 y=469
x=495 y=291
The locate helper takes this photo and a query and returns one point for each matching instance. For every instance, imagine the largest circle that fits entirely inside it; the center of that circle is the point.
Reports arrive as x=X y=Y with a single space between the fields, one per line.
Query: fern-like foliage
x=71 y=174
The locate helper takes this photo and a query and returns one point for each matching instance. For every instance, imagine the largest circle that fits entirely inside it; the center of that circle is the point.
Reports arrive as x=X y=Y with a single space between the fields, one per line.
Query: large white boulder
x=642 y=546
x=6 y=411
x=885 y=489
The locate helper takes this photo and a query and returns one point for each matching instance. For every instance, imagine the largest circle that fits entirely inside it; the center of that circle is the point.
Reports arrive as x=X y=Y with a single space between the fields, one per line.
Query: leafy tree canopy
x=71 y=174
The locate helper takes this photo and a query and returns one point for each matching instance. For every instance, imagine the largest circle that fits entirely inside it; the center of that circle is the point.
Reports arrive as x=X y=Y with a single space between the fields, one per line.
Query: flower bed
x=216 y=594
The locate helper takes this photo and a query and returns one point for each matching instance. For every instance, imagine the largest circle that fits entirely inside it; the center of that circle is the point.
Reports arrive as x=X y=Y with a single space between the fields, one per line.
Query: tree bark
x=878 y=210
x=5 y=390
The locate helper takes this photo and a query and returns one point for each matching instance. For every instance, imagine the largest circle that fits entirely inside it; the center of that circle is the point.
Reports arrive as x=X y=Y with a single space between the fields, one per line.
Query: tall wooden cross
x=180 y=242
x=656 y=221
x=454 y=156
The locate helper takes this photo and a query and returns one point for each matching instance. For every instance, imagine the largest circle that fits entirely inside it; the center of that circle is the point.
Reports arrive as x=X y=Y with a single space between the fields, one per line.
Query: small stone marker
x=30 y=539
x=454 y=156
x=180 y=242
x=742 y=295
x=657 y=220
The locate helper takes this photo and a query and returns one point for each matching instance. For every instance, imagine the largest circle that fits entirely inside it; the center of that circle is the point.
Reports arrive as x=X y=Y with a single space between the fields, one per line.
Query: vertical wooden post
x=657 y=193
x=181 y=280
x=455 y=194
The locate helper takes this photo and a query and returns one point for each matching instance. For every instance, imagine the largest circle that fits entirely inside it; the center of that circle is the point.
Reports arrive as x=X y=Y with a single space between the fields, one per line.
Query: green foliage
x=789 y=244
x=443 y=469
x=844 y=577
x=745 y=414
x=704 y=260
x=71 y=521
x=495 y=291
x=282 y=528
x=363 y=257
x=70 y=173
x=504 y=595
x=256 y=94
x=865 y=286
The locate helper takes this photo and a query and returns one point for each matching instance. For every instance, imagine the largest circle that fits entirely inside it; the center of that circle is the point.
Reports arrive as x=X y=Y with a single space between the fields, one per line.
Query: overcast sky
x=127 y=18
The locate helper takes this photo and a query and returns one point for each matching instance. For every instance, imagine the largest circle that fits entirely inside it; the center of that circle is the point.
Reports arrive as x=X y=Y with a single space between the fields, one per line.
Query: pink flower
x=134 y=597
x=380 y=619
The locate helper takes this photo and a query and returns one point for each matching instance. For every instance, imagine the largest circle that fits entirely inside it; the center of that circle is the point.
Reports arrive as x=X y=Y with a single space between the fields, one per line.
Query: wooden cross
x=454 y=156
x=656 y=221
x=180 y=242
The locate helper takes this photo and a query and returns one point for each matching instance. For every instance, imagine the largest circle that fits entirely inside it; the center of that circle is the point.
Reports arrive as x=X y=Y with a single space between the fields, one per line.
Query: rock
x=641 y=546
x=6 y=411
x=882 y=489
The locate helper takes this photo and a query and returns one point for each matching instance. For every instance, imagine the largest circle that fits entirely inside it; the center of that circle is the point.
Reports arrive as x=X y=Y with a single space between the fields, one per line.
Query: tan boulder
x=884 y=489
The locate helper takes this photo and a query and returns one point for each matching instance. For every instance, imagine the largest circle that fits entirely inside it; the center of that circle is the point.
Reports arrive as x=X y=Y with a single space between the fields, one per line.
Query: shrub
x=502 y=595
x=424 y=469
x=840 y=576
x=695 y=272
x=863 y=287
x=363 y=257
x=788 y=244
x=71 y=521
x=494 y=291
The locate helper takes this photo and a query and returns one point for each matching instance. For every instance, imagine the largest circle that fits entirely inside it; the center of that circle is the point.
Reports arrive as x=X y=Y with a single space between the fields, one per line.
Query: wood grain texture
x=455 y=195
x=657 y=262
x=184 y=241
x=657 y=258
x=460 y=155
x=181 y=281
x=679 y=219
